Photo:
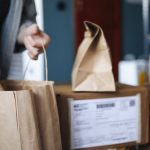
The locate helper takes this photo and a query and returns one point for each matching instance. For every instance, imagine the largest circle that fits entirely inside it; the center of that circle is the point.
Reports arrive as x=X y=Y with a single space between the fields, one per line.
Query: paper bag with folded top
x=92 y=70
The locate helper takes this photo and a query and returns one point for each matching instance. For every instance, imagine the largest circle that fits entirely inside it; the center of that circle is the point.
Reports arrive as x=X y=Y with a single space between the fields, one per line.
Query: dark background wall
x=132 y=29
x=59 y=24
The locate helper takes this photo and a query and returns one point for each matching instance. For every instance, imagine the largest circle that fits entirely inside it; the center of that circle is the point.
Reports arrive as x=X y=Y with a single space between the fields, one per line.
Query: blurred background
x=125 y=25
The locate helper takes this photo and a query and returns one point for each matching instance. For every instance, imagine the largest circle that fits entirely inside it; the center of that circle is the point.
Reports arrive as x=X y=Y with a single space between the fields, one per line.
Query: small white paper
x=131 y=67
x=99 y=122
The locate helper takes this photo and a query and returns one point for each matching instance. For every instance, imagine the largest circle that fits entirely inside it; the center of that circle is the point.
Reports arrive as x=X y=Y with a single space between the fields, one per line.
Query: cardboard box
x=127 y=109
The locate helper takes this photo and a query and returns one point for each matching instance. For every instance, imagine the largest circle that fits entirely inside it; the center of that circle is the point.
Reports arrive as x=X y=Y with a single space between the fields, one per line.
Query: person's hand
x=33 y=40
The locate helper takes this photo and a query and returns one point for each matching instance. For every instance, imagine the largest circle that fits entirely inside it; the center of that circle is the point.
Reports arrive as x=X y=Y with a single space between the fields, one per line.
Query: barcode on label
x=105 y=105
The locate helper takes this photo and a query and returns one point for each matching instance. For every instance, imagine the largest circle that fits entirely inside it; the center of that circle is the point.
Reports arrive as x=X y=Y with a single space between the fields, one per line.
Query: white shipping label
x=107 y=121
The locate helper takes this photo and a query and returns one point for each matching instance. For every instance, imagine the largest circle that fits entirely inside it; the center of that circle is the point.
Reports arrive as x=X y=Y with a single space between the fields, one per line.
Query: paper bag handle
x=45 y=60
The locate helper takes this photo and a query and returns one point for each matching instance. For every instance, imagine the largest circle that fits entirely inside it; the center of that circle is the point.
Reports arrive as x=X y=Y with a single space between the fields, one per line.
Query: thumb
x=33 y=30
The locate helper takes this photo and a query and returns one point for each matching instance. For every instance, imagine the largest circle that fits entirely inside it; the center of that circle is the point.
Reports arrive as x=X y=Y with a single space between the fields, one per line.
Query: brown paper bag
x=92 y=69
x=18 y=124
x=46 y=108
